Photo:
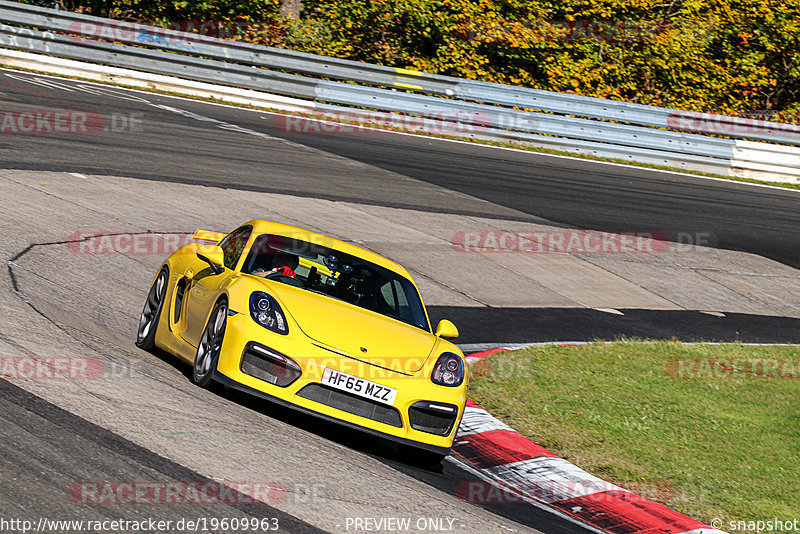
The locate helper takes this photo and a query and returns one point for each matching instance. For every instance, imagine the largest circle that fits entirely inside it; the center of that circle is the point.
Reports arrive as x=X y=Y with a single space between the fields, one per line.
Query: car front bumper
x=412 y=388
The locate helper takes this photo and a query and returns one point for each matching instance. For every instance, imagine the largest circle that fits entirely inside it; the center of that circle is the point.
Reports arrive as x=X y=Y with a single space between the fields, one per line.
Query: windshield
x=338 y=275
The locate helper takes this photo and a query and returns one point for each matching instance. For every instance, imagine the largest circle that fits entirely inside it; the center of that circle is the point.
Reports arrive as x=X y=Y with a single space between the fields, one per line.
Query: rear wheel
x=205 y=361
x=151 y=313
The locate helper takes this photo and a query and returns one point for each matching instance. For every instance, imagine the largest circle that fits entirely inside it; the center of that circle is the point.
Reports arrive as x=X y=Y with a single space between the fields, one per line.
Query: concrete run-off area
x=457 y=260
x=92 y=245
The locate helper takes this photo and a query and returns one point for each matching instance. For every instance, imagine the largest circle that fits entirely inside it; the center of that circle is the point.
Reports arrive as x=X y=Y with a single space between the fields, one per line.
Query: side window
x=394 y=298
x=233 y=245
x=389 y=297
x=402 y=299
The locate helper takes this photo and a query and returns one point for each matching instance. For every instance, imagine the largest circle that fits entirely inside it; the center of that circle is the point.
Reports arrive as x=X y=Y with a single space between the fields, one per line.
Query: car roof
x=261 y=226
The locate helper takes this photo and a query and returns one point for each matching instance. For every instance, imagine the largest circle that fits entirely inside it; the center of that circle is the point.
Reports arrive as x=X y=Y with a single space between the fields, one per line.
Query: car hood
x=356 y=332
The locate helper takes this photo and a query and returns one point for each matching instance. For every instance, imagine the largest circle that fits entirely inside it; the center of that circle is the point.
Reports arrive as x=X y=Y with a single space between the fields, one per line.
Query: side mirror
x=446 y=329
x=212 y=255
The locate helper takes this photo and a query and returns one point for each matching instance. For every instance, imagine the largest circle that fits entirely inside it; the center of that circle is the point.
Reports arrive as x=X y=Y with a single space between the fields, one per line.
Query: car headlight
x=449 y=370
x=266 y=311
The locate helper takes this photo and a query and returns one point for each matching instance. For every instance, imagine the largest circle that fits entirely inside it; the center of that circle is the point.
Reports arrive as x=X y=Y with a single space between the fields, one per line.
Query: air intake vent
x=432 y=417
x=351 y=404
x=270 y=366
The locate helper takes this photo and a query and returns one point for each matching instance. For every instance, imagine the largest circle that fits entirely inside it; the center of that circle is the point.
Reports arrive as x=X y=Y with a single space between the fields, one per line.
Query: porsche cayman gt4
x=313 y=323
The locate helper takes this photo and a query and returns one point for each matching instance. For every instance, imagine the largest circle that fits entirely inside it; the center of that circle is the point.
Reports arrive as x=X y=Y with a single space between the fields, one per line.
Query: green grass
x=725 y=448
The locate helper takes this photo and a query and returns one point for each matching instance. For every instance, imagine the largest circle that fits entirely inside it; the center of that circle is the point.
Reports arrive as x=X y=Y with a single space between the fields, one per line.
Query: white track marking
x=551 y=479
x=434 y=139
x=478 y=420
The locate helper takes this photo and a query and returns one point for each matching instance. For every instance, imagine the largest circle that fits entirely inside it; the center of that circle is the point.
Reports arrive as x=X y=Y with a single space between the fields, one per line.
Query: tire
x=207 y=356
x=151 y=312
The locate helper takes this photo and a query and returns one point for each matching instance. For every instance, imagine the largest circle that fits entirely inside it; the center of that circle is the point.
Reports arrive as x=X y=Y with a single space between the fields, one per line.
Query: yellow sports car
x=313 y=323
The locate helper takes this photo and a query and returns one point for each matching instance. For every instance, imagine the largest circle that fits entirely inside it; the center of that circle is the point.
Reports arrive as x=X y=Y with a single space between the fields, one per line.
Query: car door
x=205 y=285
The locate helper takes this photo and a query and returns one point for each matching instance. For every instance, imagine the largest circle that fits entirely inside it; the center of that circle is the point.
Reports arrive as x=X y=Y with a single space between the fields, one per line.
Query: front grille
x=351 y=404
x=432 y=417
x=266 y=364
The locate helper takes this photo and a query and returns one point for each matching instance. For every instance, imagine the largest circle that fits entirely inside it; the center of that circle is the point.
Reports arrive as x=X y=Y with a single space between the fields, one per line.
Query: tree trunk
x=291 y=8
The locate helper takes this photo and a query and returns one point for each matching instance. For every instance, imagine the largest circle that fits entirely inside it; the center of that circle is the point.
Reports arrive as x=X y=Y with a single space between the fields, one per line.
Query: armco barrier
x=134 y=78
x=161 y=62
x=204 y=59
x=765 y=162
x=237 y=95
x=234 y=51
x=365 y=73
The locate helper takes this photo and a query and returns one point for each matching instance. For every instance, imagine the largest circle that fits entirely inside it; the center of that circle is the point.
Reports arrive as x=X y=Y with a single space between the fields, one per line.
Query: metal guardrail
x=157 y=61
x=344 y=94
x=524 y=121
x=207 y=59
x=233 y=51
x=365 y=73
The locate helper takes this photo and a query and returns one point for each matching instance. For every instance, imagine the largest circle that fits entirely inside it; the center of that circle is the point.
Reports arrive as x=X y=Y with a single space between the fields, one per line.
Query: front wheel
x=205 y=361
x=151 y=313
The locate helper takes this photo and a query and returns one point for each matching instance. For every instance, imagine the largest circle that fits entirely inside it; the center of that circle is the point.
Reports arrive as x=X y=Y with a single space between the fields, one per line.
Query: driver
x=283 y=263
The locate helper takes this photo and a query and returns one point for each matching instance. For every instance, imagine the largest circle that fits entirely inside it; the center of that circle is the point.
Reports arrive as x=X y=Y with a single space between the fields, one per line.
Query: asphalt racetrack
x=164 y=166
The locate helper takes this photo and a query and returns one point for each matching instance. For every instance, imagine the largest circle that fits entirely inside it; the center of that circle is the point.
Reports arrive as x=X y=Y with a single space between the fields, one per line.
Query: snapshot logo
x=128 y=243
x=560 y=242
x=770 y=525
x=482 y=492
x=451 y=122
x=722 y=368
x=160 y=492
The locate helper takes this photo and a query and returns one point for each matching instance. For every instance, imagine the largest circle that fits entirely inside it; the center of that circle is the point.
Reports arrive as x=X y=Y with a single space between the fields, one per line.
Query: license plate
x=359 y=386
